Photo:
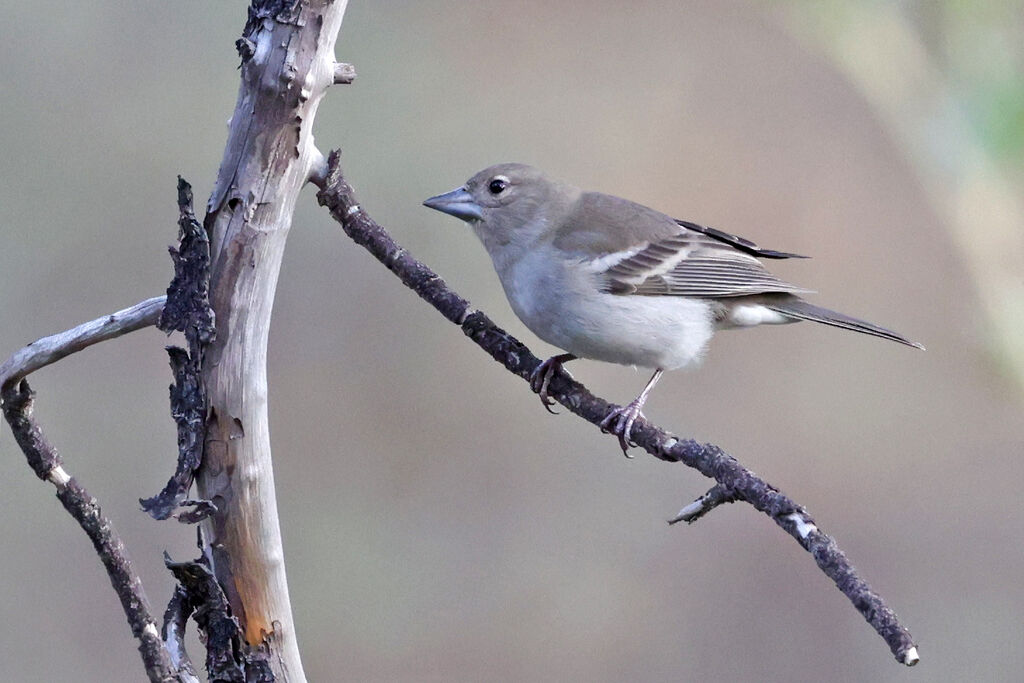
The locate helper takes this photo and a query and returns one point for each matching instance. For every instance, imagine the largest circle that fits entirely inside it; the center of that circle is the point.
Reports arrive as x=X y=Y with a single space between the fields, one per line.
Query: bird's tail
x=801 y=310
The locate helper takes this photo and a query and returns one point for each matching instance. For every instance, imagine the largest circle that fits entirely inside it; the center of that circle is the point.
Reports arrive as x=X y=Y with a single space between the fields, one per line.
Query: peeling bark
x=187 y=310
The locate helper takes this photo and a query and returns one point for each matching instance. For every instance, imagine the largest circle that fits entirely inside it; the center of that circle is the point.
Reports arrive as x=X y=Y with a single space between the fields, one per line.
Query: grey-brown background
x=440 y=525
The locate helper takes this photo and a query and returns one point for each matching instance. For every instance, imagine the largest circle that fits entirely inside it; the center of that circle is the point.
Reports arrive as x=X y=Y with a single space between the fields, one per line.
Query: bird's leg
x=541 y=377
x=620 y=420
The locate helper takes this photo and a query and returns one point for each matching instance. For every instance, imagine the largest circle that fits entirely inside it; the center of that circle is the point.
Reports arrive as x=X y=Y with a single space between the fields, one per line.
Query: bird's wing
x=693 y=265
x=637 y=250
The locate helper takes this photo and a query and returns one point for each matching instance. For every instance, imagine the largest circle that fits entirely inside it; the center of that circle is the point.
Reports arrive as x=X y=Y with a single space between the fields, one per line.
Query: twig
x=344 y=73
x=733 y=480
x=45 y=461
x=179 y=609
x=716 y=495
x=47 y=350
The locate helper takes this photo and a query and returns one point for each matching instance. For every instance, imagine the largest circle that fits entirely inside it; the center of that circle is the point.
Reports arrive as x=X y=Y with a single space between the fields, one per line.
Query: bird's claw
x=620 y=423
x=541 y=379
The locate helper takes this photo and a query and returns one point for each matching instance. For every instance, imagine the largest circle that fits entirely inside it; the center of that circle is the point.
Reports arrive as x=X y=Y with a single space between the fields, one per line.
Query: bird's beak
x=459 y=203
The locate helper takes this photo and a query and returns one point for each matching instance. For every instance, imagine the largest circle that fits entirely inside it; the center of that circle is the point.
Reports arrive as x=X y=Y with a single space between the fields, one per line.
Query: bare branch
x=48 y=350
x=46 y=462
x=733 y=480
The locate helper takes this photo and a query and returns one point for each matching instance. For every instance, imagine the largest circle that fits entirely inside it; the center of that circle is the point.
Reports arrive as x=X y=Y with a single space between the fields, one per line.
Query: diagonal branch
x=44 y=460
x=734 y=482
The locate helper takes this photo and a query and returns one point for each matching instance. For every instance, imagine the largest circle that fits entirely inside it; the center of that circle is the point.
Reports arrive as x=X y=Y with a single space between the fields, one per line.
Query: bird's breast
x=562 y=303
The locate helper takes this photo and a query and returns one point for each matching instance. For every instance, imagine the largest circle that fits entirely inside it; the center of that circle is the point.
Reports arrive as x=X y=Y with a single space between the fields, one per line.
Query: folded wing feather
x=693 y=264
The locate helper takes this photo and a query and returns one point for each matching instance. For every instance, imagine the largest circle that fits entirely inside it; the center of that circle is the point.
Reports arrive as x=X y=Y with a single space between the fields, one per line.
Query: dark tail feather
x=801 y=310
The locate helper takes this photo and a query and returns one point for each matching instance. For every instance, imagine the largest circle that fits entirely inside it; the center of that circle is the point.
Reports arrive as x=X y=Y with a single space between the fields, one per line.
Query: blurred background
x=439 y=525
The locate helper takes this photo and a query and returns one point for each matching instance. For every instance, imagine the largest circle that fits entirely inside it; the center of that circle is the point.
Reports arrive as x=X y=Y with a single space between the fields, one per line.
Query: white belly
x=568 y=311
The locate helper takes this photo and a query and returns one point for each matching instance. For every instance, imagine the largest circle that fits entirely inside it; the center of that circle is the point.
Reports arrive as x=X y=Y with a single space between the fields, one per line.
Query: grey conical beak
x=459 y=203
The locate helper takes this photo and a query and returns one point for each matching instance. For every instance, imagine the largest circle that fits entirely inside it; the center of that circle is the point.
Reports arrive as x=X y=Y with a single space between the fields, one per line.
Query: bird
x=608 y=279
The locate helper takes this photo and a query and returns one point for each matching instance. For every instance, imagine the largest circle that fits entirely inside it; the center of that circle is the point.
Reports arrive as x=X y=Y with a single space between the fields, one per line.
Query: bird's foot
x=620 y=423
x=541 y=378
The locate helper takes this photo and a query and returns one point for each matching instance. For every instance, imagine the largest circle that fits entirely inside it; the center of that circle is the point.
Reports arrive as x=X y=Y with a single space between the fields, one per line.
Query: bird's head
x=508 y=203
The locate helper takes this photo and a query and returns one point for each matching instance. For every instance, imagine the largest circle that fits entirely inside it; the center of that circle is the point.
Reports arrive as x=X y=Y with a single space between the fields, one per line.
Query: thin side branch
x=46 y=462
x=179 y=609
x=733 y=480
x=716 y=495
x=48 y=350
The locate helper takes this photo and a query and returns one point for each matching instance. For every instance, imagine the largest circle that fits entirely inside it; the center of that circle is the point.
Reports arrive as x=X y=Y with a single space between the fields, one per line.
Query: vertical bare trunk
x=288 y=63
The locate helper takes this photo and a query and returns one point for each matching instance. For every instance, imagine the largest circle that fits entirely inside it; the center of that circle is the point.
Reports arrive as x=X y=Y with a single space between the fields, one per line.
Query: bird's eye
x=497 y=185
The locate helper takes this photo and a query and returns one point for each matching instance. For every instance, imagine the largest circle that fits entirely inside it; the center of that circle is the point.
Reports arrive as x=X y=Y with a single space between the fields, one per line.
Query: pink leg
x=620 y=420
